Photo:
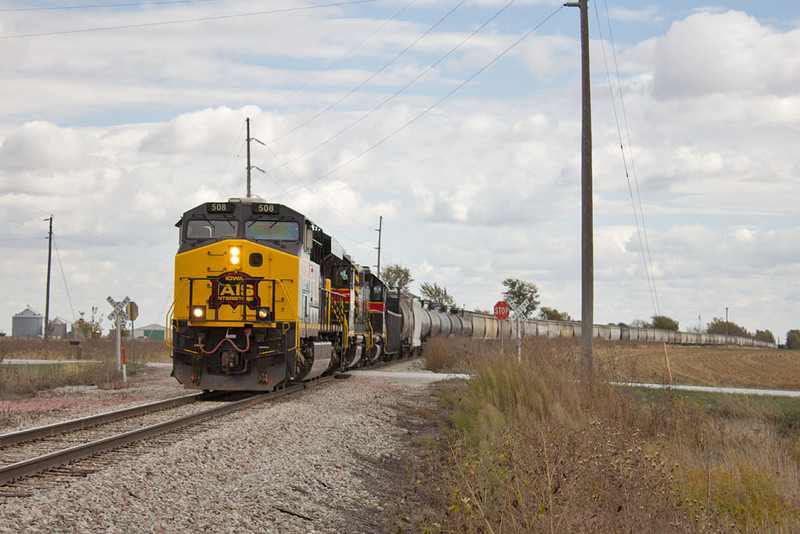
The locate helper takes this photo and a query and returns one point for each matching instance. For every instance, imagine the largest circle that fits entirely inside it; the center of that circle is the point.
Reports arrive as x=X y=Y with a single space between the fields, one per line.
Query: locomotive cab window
x=211 y=229
x=377 y=293
x=273 y=230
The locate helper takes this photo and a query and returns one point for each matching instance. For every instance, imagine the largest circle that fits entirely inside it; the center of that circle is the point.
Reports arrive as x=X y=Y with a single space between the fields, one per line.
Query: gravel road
x=324 y=460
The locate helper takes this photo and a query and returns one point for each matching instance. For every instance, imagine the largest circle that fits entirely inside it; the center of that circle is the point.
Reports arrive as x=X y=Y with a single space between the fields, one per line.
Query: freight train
x=263 y=298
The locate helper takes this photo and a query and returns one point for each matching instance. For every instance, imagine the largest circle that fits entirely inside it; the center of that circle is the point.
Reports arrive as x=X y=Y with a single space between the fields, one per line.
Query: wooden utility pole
x=248 y=157
x=47 y=298
x=587 y=228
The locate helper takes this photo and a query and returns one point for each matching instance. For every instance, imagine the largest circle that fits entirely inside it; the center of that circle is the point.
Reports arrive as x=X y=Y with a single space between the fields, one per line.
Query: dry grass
x=97 y=365
x=527 y=448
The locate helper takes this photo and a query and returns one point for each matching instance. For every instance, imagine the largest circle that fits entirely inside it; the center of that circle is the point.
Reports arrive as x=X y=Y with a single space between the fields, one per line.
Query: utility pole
x=248 y=157
x=587 y=228
x=380 y=231
x=47 y=298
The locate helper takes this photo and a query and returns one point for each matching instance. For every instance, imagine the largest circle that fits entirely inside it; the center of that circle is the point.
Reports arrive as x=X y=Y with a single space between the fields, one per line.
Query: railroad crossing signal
x=119 y=309
x=519 y=312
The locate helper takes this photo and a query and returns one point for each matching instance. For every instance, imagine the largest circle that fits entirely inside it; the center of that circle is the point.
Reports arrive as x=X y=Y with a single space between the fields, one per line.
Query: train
x=264 y=298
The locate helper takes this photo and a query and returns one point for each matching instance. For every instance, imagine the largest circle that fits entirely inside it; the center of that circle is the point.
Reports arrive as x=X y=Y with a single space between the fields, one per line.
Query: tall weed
x=530 y=448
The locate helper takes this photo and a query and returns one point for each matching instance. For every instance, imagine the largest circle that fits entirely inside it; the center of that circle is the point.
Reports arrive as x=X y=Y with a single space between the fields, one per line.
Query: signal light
x=198 y=313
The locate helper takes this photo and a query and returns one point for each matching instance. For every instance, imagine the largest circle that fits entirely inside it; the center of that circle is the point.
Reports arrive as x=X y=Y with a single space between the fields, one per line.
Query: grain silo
x=27 y=323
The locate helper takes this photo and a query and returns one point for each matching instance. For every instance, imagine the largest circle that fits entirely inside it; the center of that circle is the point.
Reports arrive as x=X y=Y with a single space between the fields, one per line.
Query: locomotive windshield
x=273 y=230
x=211 y=228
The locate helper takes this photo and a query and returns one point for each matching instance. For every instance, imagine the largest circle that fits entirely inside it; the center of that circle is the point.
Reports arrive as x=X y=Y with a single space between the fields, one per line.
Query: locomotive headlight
x=234 y=255
x=198 y=312
x=262 y=314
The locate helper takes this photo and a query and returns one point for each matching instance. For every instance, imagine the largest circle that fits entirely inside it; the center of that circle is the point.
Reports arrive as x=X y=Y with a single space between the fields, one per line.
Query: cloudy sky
x=458 y=122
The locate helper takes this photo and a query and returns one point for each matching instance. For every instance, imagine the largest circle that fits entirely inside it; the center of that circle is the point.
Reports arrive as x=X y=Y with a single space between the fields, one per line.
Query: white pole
x=119 y=344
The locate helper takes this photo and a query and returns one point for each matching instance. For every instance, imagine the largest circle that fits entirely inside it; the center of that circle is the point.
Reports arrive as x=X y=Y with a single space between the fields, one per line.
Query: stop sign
x=501 y=310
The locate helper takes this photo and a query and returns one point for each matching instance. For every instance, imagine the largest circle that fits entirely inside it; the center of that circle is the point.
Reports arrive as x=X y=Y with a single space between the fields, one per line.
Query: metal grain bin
x=27 y=323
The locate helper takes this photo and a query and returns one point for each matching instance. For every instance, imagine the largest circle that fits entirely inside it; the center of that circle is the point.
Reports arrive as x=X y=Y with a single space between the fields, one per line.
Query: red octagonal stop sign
x=501 y=310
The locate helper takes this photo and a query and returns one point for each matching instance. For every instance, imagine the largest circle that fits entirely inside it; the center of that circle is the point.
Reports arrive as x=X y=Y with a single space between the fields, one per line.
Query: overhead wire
x=64 y=277
x=284 y=164
x=343 y=56
x=432 y=106
x=370 y=78
x=183 y=21
x=402 y=89
x=353 y=90
x=96 y=6
x=633 y=189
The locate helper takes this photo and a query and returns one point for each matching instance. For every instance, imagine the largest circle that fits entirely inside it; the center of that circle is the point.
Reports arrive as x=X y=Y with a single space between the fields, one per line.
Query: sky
x=457 y=122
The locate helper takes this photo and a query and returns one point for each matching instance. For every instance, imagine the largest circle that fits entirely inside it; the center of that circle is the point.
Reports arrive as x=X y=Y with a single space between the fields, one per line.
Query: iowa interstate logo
x=234 y=289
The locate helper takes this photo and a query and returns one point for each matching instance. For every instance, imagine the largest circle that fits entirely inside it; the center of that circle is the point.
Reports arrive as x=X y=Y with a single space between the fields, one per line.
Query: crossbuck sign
x=119 y=309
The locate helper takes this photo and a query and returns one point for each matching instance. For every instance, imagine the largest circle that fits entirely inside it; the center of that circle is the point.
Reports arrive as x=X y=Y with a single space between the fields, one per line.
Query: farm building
x=61 y=329
x=151 y=331
x=27 y=323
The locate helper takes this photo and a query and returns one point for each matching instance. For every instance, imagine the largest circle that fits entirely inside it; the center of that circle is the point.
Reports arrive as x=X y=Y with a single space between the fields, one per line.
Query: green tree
x=719 y=326
x=664 y=323
x=517 y=292
x=765 y=335
x=90 y=328
x=552 y=314
x=437 y=294
x=397 y=277
x=793 y=339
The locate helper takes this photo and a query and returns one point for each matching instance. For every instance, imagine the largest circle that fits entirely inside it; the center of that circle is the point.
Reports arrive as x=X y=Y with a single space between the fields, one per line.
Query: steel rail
x=30 y=434
x=36 y=465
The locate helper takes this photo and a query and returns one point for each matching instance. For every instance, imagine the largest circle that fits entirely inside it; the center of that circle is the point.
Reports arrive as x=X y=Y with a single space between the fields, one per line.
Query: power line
x=98 y=6
x=340 y=58
x=432 y=106
x=64 y=277
x=183 y=21
x=369 y=78
x=641 y=230
x=407 y=85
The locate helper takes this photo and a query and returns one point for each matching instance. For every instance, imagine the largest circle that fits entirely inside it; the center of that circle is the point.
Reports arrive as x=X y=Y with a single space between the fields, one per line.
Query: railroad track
x=64 y=433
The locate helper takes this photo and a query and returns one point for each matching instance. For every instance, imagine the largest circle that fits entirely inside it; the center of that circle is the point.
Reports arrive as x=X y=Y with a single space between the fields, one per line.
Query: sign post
x=132 y=311
x=118 y=315
x=518 y=316
x=501 y=311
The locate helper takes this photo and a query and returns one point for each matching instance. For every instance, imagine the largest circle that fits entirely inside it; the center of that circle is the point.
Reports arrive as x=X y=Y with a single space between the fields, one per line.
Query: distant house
x=27 y=323
x=151 y=331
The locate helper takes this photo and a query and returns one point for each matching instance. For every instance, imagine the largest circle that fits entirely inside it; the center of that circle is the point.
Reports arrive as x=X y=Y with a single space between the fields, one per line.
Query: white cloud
x=483 y=186
x=730 y=52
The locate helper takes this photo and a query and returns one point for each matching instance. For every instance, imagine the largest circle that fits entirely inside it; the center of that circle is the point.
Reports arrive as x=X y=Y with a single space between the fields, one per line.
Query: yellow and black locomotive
x=264 y=297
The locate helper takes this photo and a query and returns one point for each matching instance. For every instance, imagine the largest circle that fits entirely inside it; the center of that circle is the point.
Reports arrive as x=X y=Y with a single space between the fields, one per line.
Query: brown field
x=697 y=365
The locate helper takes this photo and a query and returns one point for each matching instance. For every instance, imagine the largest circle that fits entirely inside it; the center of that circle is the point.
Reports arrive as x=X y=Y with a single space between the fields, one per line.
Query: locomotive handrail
x=170 y=315
x=294 y=310
x=335 y=303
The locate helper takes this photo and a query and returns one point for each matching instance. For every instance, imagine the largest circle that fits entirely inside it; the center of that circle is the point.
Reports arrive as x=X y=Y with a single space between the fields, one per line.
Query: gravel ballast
x=321 y=460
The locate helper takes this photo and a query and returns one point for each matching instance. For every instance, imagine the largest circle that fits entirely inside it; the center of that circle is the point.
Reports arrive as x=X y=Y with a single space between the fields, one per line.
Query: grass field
x=96 y=366
x=527 y=447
